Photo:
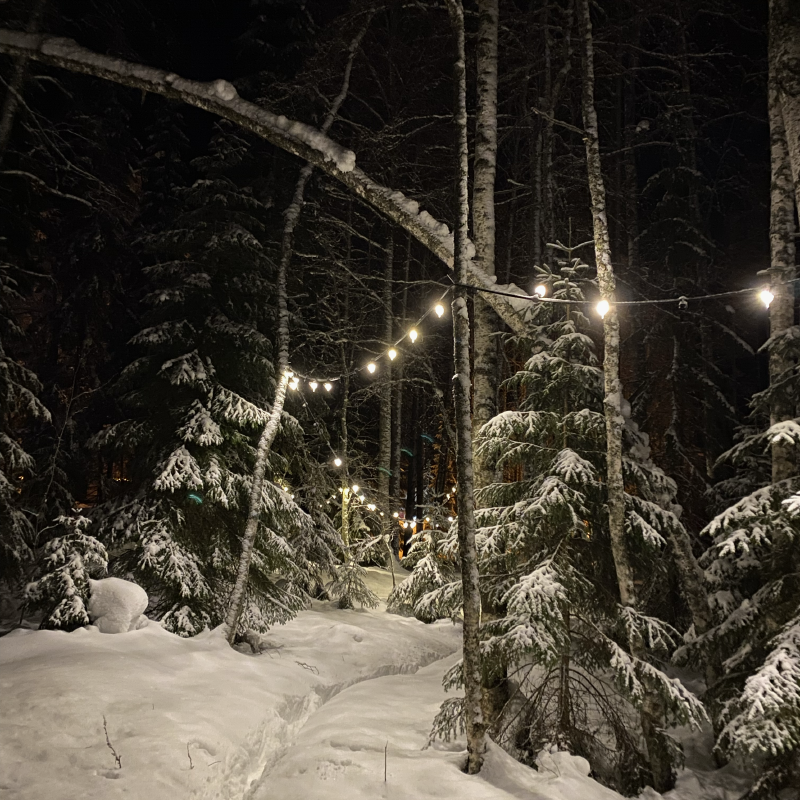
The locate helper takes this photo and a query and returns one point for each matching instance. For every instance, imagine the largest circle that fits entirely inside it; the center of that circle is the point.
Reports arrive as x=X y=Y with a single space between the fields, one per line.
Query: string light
x=767 y=297
x=392 y=354
x=361 y=498
x=603 y=308
x=328 y=386
x=449 y=519
x=337 y=461
x=356 y=487
x=372 y=366
x=294 y=384
x=395 y=515
x=540 y=290
x=372 y=506
x=313 y=385
x=412 y=334
x=439 y=309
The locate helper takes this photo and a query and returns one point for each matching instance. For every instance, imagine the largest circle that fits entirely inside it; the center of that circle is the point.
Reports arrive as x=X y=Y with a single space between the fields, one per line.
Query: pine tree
x=195 y=394
x=547 y=564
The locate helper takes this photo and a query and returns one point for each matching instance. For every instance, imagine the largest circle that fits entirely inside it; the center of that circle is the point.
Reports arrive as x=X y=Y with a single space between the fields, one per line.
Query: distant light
x=381 y=513
x=294 y=384
x=337 y=462
x=541 y=290
x=392 y=354
x=767 y=297
x=288 y=373
x=371 y=366
x=405 y=524
x=427 y=519
x=603 y=308
x=372 y=506
x=395 y=515
x=355 y=488
x=449 y=519
x=454 y=489
x=439 y=309
x=415 y=519
x=412 y=334
x=362 y=498
x=328 y=386
x=313 y=385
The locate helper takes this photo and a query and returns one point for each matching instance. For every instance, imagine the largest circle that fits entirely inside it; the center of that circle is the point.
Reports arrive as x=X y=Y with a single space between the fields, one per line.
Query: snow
x=116 y=605
x=309 y=718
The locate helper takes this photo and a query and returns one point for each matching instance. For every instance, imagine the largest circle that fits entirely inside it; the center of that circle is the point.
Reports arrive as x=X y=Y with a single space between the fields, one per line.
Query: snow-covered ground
x=339 y=705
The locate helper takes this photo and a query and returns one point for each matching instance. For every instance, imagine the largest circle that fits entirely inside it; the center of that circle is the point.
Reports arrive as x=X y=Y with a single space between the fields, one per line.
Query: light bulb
x=541 y=290
x=454 y=489
x=405 y=524
x=362 y=498
x=313 y=385
x=449 y=519
x=337 y=461
x=427 y=519
x=395 y=515
x=288 y=374
x=371 y=506
x=381 y=513
x=294 y=384
x=767 y=297
x=412 y=334
x=439 y=309
x=603 y=308
x=328 y=386
x=392 y=354
x=355 y=488
x=371 y=366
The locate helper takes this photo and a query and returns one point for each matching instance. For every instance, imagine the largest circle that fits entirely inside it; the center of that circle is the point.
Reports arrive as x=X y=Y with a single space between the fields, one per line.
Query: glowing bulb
x=294 y=384
x=454 y=489
x=313 y=385
x=371 y=366
x=395 y=515
x=427 y=519
x=767 y=297
x=328 y=386
x=288 y=374
x=381 y=513
x=355 y=488
x=439 y=309
x=392 y=354
x=449 y=519
x=603 y=308
x=405 y=524
x=541 y=290
x=337 y=461
x=412 y=334
x=362 y=498
x=371 y=506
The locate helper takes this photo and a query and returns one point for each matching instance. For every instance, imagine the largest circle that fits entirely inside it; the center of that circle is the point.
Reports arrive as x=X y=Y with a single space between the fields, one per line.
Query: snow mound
x=116 y=605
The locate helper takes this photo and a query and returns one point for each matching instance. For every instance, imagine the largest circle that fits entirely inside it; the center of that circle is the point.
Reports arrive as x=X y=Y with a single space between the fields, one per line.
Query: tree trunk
x=784 y=62
x=17 y=83
x=219 y=97
x=651 y=715
x=483 y=227
x=291 y=217
x=385 y=422
x=782 y=249
x=475 y=725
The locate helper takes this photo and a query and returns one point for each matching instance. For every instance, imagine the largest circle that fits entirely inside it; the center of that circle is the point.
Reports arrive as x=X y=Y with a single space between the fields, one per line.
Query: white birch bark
x=475 y=724
x=483 y=228
x=385 y=421
x=651 y=714
x=291 y=217
x=309 y=144
x=781 y=233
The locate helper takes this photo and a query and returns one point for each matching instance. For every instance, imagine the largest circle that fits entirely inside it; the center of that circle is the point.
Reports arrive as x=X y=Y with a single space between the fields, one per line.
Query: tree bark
x=291 y=217
x=651 y=714
x=219 y=97
x=475 y=724
x=385 y=420
x=781 y=236
x=484 y=228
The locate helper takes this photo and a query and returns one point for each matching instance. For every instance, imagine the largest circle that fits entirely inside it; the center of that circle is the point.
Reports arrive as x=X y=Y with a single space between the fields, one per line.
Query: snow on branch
x=220 y=97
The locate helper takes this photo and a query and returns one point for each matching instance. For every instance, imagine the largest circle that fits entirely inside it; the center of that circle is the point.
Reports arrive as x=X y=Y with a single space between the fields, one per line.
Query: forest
x=499 y=293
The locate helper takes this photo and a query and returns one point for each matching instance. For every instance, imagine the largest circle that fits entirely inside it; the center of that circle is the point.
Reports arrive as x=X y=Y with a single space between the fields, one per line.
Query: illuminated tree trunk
x=475 y=725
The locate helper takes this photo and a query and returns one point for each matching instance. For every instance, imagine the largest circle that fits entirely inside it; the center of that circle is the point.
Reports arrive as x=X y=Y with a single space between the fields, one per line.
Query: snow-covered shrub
x=71 y=557
x=117 y=605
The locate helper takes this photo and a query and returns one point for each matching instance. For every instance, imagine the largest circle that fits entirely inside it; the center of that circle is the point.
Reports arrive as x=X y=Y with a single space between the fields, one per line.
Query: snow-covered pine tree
x=195 y=395
x=547 y=566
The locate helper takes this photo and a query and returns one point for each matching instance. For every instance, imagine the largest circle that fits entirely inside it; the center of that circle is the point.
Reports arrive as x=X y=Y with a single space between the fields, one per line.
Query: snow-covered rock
x=117 y=605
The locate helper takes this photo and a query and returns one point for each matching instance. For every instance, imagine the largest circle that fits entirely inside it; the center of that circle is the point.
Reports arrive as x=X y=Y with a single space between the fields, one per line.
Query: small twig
x=117 y=757
x=385 y=759
x=191 y=763
x=309 y=667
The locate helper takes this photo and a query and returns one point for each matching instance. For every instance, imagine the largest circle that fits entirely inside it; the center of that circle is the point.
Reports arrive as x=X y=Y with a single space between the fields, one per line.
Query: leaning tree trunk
x=475 y=725
x=483 y=228
x=651 y=715
x=291 y=217
x=782 y=246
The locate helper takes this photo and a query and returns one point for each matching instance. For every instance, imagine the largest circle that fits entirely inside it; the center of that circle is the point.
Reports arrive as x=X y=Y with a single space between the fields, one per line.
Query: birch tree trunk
x=291 y=217
x=397 y=389
x=781 y=237
x=385 y=423
x=784 y=63
x=475 y=724
x=651 y=714
x=483 y=228
x=219 y=97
